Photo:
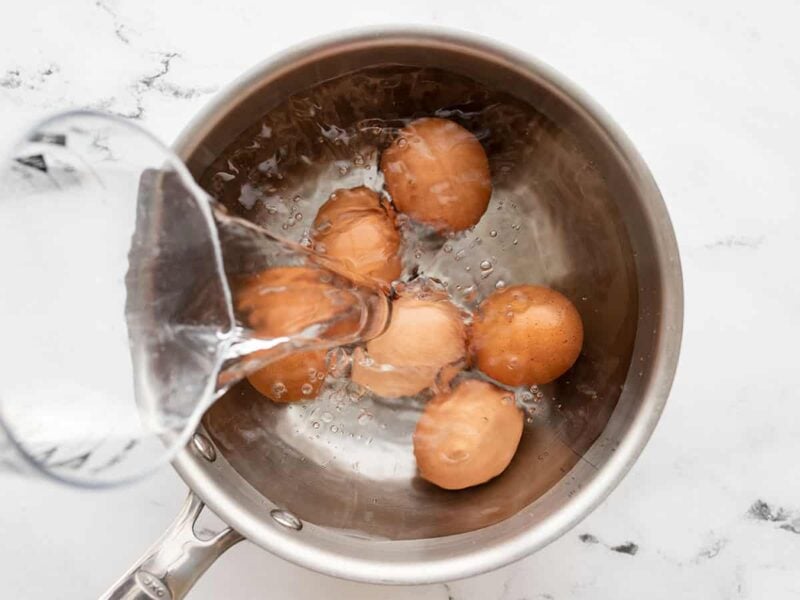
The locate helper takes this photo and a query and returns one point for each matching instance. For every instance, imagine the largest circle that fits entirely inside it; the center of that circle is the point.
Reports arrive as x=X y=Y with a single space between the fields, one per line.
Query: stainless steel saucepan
x=593 y=225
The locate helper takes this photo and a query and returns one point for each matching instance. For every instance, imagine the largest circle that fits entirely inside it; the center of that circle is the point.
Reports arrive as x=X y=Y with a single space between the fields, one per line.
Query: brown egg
x=467 y=436
x=356 y=228
x=294 y=378
x=526 y=335
x=280 y=302
x=438 y=174
x=426 y=335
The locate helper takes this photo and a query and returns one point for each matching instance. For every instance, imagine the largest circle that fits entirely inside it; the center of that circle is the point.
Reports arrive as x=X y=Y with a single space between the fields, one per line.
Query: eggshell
x=356 y=228
x=425 y=335
x=389 y=380
x=293 y=378
x=467 y=436
x=438 y=174
x=283 y=301
x=526 y=335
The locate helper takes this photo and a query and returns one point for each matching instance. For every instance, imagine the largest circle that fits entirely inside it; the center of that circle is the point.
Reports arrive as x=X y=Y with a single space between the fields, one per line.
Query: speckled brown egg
x=294 y=378
x=438 y=174
x=526 y=335
x=426 y=336
x=467 y=436
x=357 y=229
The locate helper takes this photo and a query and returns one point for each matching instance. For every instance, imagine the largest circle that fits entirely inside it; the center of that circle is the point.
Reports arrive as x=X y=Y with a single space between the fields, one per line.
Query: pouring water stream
x=120 y=323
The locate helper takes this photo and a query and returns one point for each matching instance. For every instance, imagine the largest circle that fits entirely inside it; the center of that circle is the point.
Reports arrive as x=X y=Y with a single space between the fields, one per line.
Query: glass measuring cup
x=118 y=314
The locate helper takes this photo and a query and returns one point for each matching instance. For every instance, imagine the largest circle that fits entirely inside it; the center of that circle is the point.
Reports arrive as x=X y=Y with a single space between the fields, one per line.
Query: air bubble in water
x=492 y=233
x=307 y=389
x=326 y=417
x=334 y=429
x=486 y=265
x=315 y=425
x=500 y=284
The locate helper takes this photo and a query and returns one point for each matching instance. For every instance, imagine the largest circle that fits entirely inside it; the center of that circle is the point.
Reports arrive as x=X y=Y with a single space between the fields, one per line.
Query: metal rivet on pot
x=287 y=519
x=204 y=446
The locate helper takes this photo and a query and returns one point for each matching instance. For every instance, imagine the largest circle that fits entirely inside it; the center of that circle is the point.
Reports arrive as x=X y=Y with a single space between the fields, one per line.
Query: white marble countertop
x=709 y=92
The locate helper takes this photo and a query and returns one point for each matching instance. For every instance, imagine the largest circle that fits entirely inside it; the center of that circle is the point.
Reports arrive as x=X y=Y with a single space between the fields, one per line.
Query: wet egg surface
x=355 y=227
x=467 y=436
x=438 y=174
x=526 y=335
x=293 y=378
x=426 y=334
x=280 y=302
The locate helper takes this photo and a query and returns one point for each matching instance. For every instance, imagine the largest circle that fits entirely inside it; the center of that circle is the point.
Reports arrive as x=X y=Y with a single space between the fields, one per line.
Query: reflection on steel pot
x=595 y=227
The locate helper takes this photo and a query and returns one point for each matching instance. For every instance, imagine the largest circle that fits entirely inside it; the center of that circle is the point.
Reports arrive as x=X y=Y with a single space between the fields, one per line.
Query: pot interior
x=567 y=214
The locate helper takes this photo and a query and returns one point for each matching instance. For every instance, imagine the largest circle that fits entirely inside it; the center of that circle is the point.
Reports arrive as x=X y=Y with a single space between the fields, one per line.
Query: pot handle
x=172 y=565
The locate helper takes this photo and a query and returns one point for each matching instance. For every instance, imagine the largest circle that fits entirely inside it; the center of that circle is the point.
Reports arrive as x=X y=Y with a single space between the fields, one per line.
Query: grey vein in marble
x=138 y=89
x=11 y=80
x=14 y=79
x=711 y=551
x=153 y=82
x=119 y=27
x=737 y=241
x=185 y=93
x=625 y=548
x=762 y=511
